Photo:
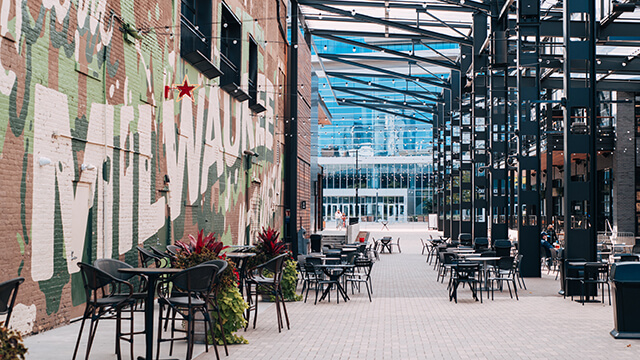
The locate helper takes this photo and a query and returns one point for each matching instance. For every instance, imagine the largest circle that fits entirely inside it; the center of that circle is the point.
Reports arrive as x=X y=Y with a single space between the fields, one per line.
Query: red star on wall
x=185 y=88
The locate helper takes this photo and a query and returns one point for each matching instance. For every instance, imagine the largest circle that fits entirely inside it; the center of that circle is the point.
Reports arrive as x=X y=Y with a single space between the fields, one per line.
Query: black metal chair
x=596 y=273
x=517 y=266
x=465 y=273
x=193 y=287
x=573 y=273
x=504 y=272
x=502 y=247
x=480 y=244
x=272 y=285
x=465 y=239
x=396 y=244
x=213 y=297
x=173 y=249
x=446 y=261
x=147 y=258
x=361 y=274
x=8 y=293
x=629 y=257
x=106 y=297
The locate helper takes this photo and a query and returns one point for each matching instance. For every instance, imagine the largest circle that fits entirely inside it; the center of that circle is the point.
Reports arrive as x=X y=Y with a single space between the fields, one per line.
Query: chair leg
x=224 y=338
x=93 y=327
x=208 y=321
x=284 y=308
x=84 y=318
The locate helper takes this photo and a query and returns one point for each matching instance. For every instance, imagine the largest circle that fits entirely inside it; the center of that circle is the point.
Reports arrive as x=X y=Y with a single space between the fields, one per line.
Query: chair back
x=480 y=243
x=629 y=257
x=221 y=264
x=99 y=284
x=506 y=263
x=313 y=260
x=466 y=271
x=596 y=271
x=147 y=257
x=636 y=249
x=465 y=239
x=502 y=247
x=364 y=264
x=447 y=258
x=197 y=279
x=111 y=267
x=173 y=249
x=8 y=293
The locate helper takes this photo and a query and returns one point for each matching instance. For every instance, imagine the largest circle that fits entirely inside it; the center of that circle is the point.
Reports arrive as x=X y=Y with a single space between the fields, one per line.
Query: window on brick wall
x=195 y=36
x=231 y=54
x=253 y=77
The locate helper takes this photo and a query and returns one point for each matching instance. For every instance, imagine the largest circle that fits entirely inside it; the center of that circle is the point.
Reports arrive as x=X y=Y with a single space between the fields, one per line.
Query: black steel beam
x=388 y=103
x=394 y=74
x=374 y=20
x=381 y=109
x=417 y=95
x=445 y=64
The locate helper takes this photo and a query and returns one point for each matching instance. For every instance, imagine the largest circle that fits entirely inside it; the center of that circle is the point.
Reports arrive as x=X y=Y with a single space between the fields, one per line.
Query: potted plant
x=268 y=247
x=230 y=301
x=11 y=346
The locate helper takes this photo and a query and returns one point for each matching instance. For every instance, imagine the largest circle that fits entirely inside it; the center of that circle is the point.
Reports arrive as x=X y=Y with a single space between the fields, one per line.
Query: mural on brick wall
x=97 y=158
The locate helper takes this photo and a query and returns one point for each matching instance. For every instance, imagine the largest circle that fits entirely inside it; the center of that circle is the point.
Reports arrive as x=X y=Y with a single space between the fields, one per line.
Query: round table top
x=239 y=255
x=150 y=271
x=484 y=258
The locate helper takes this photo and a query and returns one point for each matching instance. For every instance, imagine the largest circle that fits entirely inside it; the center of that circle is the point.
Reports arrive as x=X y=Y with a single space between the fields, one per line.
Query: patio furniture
x=104 y=301
x=629 y=257
x=360 y=275
x=152 y=275
x=312 y=276
x=271 y=284
x=148 y=258
x=480 y=243
x=213 y=297
x=446 y=261
x=396 y=244
x=425 y=246
x=573 y=272
x=504 y=272
x=333 y=274
x=194 y=286
x=519 y=278
x=502 y=247
x=8 y=293
x=465 y=239
x=385 y=244
x=595 y=273
x=465 y=273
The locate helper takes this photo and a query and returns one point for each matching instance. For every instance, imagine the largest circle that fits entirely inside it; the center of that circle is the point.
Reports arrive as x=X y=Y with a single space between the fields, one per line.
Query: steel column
x=528 y=137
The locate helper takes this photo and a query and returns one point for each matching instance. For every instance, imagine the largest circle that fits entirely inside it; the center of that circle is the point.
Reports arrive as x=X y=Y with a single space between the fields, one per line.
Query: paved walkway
x=410 y=318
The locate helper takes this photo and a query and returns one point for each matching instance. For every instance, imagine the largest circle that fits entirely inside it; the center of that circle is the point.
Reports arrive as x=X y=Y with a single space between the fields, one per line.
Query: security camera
x=250 y=153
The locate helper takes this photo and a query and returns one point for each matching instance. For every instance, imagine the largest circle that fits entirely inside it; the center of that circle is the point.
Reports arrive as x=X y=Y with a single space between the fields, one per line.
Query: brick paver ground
x=411 y=318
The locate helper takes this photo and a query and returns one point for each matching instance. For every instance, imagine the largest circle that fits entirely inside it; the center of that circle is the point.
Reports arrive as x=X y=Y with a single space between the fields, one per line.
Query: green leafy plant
x=232 y=307
x=11 y=346
x=230 y=301
x=290 y=280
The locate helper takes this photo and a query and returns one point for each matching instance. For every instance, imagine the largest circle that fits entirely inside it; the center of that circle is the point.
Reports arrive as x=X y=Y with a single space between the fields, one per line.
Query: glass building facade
x=393 y=173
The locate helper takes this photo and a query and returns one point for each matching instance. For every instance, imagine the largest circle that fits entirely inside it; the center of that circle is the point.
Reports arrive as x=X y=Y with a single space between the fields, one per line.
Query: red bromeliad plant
x=199 y=250
x=268 y=246
x=269 y=243
x=208 y=242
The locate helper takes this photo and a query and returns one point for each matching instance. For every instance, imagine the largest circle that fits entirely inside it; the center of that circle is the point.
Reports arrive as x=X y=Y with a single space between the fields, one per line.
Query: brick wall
x=94 y=124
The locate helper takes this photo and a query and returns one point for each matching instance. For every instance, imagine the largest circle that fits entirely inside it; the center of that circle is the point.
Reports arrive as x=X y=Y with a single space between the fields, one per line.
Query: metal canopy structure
x=507 y=85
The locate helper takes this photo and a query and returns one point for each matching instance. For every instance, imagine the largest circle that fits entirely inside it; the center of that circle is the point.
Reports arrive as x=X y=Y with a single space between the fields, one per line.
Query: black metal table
x=152 y=274
x=385 y=241
x=334 y=272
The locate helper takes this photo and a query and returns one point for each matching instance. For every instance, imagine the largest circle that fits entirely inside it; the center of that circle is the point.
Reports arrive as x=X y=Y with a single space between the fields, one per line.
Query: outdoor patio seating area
x=409 y=317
